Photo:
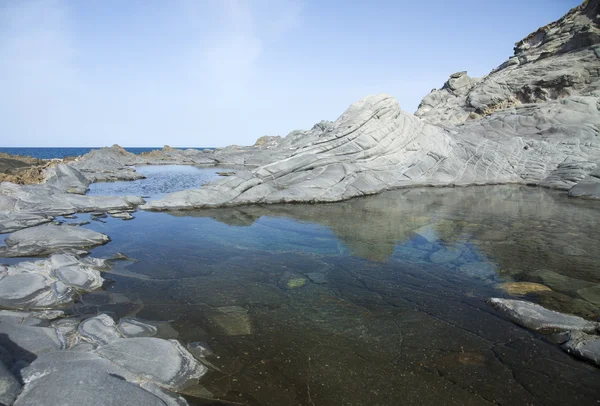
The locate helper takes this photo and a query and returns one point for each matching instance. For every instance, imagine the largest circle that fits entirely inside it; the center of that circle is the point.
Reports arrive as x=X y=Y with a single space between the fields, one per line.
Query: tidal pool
x=160 y=180
x=373 y=301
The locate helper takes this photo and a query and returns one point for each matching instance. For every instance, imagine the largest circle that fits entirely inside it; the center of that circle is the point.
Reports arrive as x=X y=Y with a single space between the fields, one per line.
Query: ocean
x=62 y=152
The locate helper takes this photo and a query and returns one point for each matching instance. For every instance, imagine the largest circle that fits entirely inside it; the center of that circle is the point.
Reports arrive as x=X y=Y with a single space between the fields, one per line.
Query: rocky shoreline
x=534 y=120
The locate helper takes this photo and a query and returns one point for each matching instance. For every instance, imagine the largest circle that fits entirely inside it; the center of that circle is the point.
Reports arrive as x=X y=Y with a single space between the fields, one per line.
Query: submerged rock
x=523 y=288
x=232 y=320
x=317 y=277
x=291 y=280
x=538 y=318
x=121 y=215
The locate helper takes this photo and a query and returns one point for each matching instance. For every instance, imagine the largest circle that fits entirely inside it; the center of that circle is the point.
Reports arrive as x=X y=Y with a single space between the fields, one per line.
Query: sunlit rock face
x=533 y=120
x=557 y=61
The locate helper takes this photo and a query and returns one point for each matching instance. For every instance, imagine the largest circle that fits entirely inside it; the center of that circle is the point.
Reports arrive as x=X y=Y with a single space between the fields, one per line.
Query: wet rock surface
x=584 y=346
x=536 y=317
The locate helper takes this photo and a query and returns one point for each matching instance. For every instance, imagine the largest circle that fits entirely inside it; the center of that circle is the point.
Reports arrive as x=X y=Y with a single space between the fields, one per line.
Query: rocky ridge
x=534 y=120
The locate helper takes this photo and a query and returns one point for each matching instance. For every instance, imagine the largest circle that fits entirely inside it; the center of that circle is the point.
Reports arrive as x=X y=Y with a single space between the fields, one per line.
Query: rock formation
x=533 y=120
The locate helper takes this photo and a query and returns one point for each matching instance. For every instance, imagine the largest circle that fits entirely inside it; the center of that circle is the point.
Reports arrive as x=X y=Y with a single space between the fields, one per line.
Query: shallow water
x=378 y=300
x=160 y=180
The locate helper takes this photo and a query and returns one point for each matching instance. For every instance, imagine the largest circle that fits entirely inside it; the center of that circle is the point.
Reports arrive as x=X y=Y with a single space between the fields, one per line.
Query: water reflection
x=378 y=300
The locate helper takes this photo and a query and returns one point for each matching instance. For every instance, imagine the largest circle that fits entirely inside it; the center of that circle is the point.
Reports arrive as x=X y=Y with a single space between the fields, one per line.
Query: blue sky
x=220 y=72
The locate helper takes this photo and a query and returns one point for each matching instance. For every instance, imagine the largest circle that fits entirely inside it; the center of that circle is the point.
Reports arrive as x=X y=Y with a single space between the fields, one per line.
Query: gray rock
x=39 y=318
x=100 y=330
x=9 y=386
x=130 y=327
x=232 y=320
x=165 y=362
x=591 y=294
x=49 y=283
x=479 y=270
x=80 y=277
x=82 y=378
x=122 y=215
x=25 y=290
x=588 y=188
x=26 y=342
x=538 y=318
x=317 y=277
x=538 y=120
x=134 y=200
x=584 y=346
x=65 y=177
x=16 y=221
x=46 y=239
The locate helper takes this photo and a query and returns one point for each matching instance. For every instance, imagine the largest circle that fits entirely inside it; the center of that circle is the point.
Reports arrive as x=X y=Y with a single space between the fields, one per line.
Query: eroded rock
x=47 y=239
x=584 y=346
x=536 y=317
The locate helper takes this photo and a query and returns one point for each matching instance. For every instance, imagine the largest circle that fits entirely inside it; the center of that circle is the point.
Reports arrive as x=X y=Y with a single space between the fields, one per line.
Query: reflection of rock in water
x=497 y=233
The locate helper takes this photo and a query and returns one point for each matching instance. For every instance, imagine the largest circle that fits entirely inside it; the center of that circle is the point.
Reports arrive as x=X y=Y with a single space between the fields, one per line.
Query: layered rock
x=534 y=120
x=60 y=362
x=557 y=61
x=62 y=193
x=49 y=283
x=48 y=238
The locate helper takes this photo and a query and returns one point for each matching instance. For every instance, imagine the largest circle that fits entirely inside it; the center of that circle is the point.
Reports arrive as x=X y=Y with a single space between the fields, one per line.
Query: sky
x=210 y=73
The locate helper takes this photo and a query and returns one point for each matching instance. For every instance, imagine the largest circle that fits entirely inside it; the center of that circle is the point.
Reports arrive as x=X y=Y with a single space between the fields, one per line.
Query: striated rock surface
x=534 y=120
x=48 y=238
x=58 y=364
x=557 y=61
x=49 y=283
x=62 y=193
